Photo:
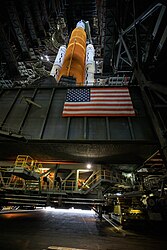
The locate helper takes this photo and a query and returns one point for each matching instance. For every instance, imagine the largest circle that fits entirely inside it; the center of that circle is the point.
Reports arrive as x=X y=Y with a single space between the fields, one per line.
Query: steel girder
x=156 y=111
x=139 y=47
x=108 y=38
x=143 y=40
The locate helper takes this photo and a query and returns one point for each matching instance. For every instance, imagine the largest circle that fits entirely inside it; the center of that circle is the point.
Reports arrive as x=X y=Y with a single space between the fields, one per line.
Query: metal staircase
x=25 y=167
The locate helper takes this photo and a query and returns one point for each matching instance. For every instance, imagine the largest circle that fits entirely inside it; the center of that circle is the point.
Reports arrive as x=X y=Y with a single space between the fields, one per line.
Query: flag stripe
x=74 y=105
x=98 y=102
x=114 y=89
x=97 y=106
x=97 y=113
x=110 y=98
x=109 y=94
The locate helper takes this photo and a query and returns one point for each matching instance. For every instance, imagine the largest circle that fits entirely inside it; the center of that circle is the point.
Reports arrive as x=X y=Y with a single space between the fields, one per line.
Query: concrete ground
x=68 y=229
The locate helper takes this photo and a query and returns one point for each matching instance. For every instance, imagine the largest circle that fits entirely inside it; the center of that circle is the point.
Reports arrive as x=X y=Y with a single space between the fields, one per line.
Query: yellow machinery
x=74 y=60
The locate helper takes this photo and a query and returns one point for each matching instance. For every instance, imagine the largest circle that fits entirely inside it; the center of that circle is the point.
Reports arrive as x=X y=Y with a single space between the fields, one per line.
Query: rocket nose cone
x=81 y=24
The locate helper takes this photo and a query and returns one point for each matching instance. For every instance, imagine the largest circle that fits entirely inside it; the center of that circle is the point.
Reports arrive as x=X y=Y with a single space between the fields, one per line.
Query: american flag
x=112 y=101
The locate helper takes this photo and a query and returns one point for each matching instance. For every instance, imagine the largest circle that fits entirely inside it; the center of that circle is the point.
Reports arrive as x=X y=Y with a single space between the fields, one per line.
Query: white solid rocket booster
x=90 y=65
x=58 y=62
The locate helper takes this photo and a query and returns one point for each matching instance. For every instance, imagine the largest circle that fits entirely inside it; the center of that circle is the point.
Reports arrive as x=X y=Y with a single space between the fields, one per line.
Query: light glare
x=89 y=166
x=70 y=210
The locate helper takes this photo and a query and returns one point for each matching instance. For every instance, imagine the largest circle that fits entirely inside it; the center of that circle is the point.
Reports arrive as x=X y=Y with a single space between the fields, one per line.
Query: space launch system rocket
x=77 y=60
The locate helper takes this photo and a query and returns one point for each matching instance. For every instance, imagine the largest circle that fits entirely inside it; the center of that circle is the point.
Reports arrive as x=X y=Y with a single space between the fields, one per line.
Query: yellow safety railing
x=12 y=182
x=24 y=161
x=28 y=163
x=95 y=178
x=9 y=178
x=69 y=185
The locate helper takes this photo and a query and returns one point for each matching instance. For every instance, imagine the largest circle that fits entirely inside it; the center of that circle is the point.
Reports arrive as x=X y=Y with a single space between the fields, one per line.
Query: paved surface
x=69 y=230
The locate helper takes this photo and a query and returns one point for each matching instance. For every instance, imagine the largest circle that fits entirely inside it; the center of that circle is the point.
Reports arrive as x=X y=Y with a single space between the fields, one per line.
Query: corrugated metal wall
x=43 y=119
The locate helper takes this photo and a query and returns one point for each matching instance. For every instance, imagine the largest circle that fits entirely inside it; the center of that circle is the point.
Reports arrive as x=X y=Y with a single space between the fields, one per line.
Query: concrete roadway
x=68 y=229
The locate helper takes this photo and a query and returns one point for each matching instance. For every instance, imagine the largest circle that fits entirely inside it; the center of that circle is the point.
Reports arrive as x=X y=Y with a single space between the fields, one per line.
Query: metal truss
x=143 y=40
x=108 y=37
x=138 y=49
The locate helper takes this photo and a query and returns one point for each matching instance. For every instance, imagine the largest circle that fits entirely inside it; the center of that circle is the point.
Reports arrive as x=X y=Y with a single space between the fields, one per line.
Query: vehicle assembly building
x=83 y=107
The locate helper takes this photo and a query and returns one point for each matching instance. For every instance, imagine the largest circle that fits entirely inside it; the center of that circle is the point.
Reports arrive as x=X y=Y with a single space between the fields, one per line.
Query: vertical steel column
x=108 y=129
x=155 y=121
x=131 y=128
x=76 y=180
x=29 y=21
x=85 y=128
x=108 y=39
x=68 y=127
x=45 y=18
x=14 y=18
x=37 y=16
x=7 y=52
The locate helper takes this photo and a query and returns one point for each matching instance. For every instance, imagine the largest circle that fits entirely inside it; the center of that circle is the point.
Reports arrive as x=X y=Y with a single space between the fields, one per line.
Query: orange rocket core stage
x=74 y=60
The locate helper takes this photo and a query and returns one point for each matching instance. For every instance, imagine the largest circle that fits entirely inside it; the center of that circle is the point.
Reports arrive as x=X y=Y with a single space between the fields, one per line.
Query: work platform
x=24 y=185
x=31 y=123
